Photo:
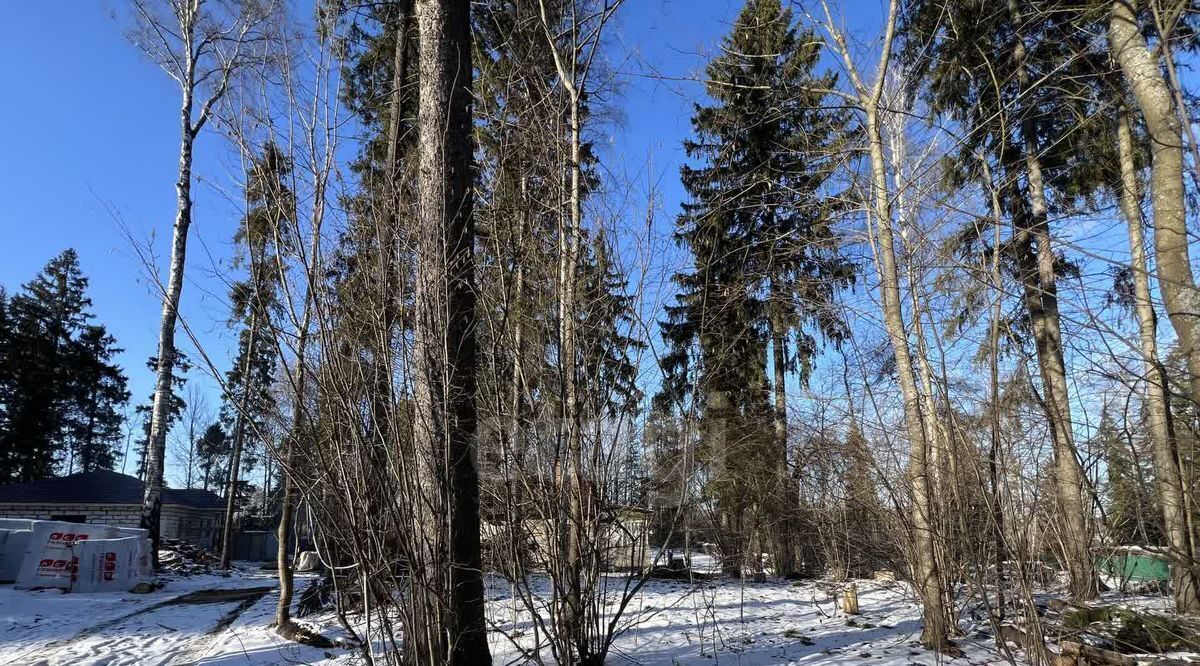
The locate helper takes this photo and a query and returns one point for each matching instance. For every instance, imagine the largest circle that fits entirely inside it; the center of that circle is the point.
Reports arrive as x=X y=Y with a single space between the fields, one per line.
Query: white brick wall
x=121 y=515
x=197 y=526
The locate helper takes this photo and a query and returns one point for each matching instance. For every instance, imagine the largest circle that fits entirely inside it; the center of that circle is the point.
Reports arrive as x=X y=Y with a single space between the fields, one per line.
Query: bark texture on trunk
x=239 y=439
x=287 y=511
x=157 y=441
x=453 y=629
x=283 y=609
x=785 y=560
x=925 y=570
x=1176 y=282
x=186 y=57
x=576 y=487
x=923 y=550
x=287 y=515
x=1041 y=299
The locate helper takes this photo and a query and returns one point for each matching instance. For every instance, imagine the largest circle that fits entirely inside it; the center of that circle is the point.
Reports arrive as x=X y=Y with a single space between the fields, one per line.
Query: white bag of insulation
x=108 y=565
x=13 y=544
x=49 y=558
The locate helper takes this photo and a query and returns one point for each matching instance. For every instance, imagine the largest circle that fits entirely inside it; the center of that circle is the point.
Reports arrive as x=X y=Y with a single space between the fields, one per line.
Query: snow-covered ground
x=666 y=623
x=50 y=628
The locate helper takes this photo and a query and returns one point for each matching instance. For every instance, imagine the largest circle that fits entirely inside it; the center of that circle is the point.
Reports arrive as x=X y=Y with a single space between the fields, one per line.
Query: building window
x=69 y=518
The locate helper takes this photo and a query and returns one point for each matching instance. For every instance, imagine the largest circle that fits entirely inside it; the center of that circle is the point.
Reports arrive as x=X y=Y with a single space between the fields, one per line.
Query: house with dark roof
x=110 y=498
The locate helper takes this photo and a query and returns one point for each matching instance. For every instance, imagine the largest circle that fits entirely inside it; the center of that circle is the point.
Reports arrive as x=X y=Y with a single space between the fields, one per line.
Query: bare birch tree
x=202 y=46
x=868 y=97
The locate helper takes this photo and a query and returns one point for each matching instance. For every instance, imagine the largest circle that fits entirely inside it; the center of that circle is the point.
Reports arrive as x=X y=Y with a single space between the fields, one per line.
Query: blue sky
x=90 y=142
x=91 y=146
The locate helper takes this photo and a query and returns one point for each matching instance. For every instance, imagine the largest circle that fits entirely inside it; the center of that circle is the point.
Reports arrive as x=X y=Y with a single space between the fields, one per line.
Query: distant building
x=109 y=498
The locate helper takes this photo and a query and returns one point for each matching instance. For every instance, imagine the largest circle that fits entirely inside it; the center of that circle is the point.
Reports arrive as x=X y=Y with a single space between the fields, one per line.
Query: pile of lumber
x=180 y=557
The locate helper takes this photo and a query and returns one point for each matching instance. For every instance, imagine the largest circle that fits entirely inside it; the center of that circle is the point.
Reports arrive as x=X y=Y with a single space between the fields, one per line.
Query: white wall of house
x=120 y=515
x=200 y=527
x=196 y=526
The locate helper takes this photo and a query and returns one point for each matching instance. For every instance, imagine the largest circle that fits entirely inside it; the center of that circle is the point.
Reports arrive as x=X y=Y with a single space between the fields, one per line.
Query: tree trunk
x=572 y=486
x=518 y=330
x=941 y=463
x=239 y=438
x=1041 y=298
x=999 y=545
x=1168 y=202
x=1158 y=412
x=156 y=444
x=926 y=577
x=785 y=561
x=191 y=456
x=283 y=609
x=445 y=336
x=925 y=574
x=382 y=393
x=287 y=511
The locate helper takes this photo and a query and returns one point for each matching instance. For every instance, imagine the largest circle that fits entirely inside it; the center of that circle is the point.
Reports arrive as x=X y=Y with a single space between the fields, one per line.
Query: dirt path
x=175 y=631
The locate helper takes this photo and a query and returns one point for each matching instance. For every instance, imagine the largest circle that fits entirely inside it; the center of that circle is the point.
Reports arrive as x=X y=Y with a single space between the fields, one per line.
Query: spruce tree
x=1131 y=512
x=373 y=263
x=61 y=393
x=519 y=185
x=174 y=406
x=765 y=260
x=6 y=374
x=605 y=344
x=255 y=299
x=212 y=450
x=96 y=392
x=44 y=315
x=271 y=208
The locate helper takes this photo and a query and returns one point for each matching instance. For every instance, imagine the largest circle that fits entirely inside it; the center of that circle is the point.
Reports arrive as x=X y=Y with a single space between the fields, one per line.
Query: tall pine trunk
x=1175 y=279
x=785 y=561
x=239 y=439
x=1041 y=299
x=453 y=627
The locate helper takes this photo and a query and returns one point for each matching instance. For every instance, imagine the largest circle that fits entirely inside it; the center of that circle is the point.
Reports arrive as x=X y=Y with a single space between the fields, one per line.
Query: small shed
x=1133 y=564
x=110 y=498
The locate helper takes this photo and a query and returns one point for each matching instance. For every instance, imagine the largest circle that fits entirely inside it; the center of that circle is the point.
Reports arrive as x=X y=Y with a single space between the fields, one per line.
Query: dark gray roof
x=194 y=497
x=101 y=487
